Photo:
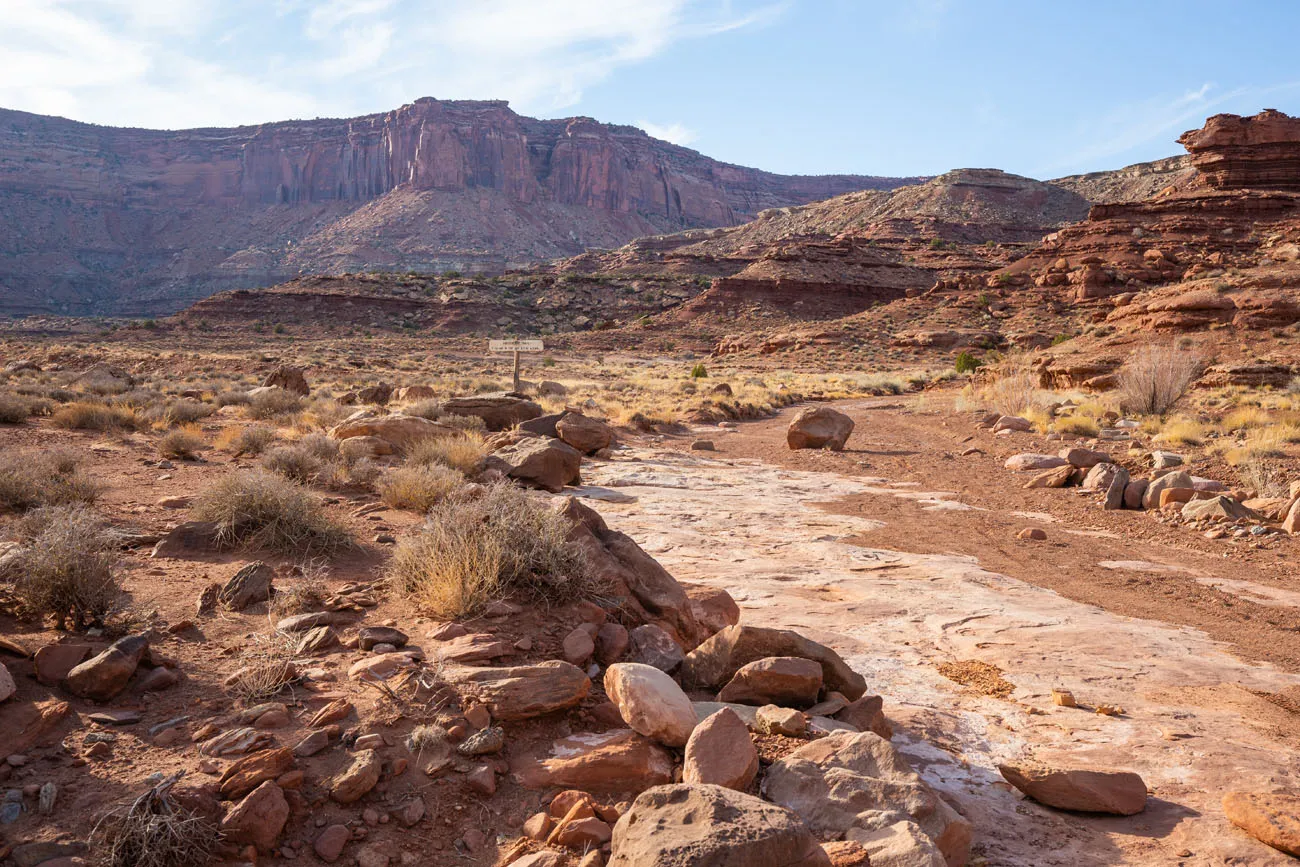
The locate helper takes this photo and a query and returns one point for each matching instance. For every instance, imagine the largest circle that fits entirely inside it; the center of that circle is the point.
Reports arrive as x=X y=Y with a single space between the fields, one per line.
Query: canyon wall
x=130 y=221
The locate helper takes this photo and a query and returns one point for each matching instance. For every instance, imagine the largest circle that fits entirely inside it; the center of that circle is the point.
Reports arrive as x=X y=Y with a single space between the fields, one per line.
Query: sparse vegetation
x=93 y=415
x=1155 y=377
x=154 y=831
x=258 y=509
x=64 y=567
x=267 y=667
x=464 y=453
x=418 y=488
x=966 y=363
x=14 y=409
x=699 y=371
x=251 y=440
x=184 y=443
x=47 y=478
x=499 y=543
x=273 y=404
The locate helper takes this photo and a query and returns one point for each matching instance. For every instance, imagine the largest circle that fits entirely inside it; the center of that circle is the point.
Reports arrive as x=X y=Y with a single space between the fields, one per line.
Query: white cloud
x=178 y=63
x=673 y=132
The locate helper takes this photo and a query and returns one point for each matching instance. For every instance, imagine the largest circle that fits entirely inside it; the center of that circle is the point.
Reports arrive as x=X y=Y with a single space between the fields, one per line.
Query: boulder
x=1119 y=792
x=254 y=769
x=499 y=412
x=790 y=681
x=650 y=645
x=717 y=660
x=1135 y=492
x=1271 y=819
x=369 y=636
x=1165 y=460
x=250 y=585
x=713 y=607
x=330 y=842
x=375 y=395
x=1175 y=479
x=1058 y=477
x=711 y=826
x=107 y=674
x=650 y=702
x=721 y=752
x=543 y=425
x=413 y=393
x=356 y=448
x=258 y=819
x=522 y=691
x=587 y=435
x=1012 y=423
x=611 y=643
x=1028 y=461
x=187 y=541
x=890 y=841
x=771 y=719
x=544 y=463
x=288 y=378
x=1084 y=458
x=867 y=715
x=358 y=778
x=1221 y=507
x=637 y=582
x=399 y=431
x=619 y=760
x=847 y=779
x=819 y=427
x=54 y=661
x=7 y=686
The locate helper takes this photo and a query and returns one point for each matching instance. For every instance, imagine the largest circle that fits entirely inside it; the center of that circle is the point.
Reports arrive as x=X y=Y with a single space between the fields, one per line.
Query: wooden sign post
x=515 y=346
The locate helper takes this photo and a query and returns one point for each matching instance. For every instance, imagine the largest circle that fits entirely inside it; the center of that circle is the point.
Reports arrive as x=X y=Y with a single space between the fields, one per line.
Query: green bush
x=966 y=363
x=698 y=371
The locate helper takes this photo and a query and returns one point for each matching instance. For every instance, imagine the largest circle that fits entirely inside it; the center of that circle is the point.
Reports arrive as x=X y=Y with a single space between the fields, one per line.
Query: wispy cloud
x=177 y=63
x=676 y=133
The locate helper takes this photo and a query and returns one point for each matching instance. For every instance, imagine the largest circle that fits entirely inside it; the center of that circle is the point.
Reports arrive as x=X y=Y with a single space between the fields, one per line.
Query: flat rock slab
x=1119 y=792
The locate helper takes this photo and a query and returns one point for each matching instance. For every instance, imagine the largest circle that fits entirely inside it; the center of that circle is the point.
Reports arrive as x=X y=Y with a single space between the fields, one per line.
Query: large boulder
x=585 y=434
x=1119 y=792
x=1271 y=819
x=717 y=660
x=614 y=761
x=7 y=686
x=499 y=412
x=1220 y=507
x=522 y=691
x=107 y=674
x=1030 y=461
x=637 y=582
x=721 y=752
x=1175 y=479
x=544 y=463
x=288 y=378
x=711 y=826
x=819 y=427
x=790 y=681
x=650 y=702
x=845 y=780
x=399 y=431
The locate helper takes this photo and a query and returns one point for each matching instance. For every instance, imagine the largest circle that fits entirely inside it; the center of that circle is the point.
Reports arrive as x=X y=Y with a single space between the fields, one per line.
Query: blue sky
x=1040 y=88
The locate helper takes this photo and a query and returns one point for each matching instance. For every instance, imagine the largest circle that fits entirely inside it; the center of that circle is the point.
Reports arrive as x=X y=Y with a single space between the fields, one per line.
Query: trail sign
x=516 y=346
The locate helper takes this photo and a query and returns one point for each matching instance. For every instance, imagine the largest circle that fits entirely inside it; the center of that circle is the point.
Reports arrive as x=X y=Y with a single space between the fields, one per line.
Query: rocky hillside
x=134 y=222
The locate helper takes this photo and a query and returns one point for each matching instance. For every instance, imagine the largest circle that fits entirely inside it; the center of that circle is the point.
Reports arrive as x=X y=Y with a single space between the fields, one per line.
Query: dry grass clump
x=64 y=567
x=1259 y=444
x=184 y=443
x=1014 y=392
x=418 y=488
x=155 y=831
x=185 y=411
x=464 y=453
x=250 y=440
x=305 y=594
x=1155 y=377
x=92 y=415
x=268 y=667
x=1182 y=431
x=1246 y=418
x=14 y=409
x=1077 y=425
x=466 y=423
x=1263 y=476
x=430 y=409
x=304 y=461
x=488 y=545
x=259 y=509
x=275 y=403
x=47 y=478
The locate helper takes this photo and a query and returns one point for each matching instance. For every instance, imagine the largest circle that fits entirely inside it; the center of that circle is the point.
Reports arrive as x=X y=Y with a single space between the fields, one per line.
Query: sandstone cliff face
x=1260 y=152
x=99 y=219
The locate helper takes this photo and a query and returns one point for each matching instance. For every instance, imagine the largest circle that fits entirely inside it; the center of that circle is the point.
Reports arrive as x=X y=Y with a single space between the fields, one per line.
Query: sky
x=911 y=87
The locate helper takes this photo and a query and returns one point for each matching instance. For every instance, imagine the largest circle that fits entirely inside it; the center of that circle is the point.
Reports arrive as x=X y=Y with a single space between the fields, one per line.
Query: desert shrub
x=47 y=478
x=259 y=509
x=1014 y=392
x=232 y=398
x=326 y=412
x=418 y=488
x=1264 y=476
x=699 y=371
x=14 y=409
x=178 y=412
x=357 y=474
x=475 y=548
x=464 y=453
x=64 y=567
x=467 y=423
x=182 y=442
x=1155 y=377
x=275 y=403
x=429 y=409
x=155 y=831
x=293 y=462
x=252 y=440
x=1246 y=418
x=966 y=363
x=92 y=415
x=1077 y=425
x=1259 y=444
x=306 y=593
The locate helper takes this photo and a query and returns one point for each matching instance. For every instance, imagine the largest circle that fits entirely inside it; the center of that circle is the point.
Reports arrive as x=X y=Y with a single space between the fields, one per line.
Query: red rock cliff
x=98 y=219
x=1260 y=152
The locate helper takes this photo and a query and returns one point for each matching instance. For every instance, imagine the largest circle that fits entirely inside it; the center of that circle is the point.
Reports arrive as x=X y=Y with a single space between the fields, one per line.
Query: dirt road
x=902 y=555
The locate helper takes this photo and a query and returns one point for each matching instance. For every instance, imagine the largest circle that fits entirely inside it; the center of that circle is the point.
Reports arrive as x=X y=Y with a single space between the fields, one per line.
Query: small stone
x=1032 y=534
x=774 y=720
x=330 y=842
x=482 y=779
